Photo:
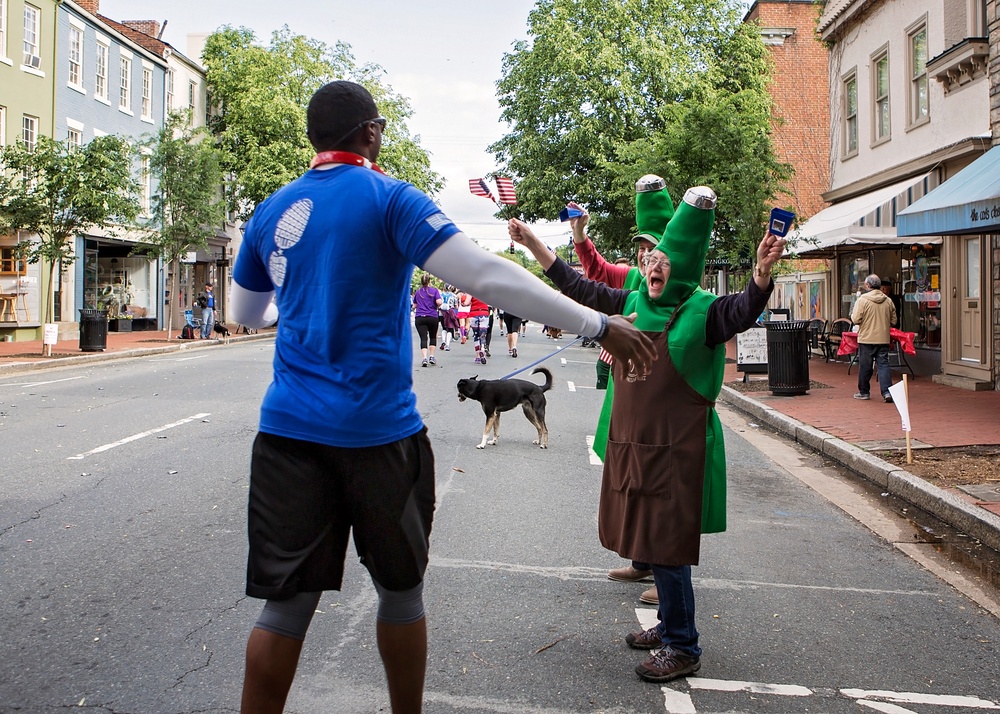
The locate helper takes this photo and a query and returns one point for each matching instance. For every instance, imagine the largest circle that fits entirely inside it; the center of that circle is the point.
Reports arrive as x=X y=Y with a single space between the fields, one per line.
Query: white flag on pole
x=898 y=392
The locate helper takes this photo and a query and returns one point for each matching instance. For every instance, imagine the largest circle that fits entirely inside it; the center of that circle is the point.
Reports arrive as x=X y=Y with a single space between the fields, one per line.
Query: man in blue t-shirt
x=341 y=445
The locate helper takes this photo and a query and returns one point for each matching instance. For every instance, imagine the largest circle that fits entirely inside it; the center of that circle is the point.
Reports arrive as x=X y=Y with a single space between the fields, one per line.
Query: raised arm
x=595 y=267
x=503 y=283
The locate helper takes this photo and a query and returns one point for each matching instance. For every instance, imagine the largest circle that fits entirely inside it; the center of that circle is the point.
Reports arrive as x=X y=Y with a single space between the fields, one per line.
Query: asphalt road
x=122 y=547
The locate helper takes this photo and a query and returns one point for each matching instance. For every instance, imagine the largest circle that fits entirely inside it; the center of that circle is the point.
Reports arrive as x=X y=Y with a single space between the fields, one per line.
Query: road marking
x=886 y=708
x=680 y=703
x=140 y=435
x=38 y=384
x=572 y=387
x=181 y=359
x=677 y=702
x=723 y=685
x=942 y=700
x=595 y=460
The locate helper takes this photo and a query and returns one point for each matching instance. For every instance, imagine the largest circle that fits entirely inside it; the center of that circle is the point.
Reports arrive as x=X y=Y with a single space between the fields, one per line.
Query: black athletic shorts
x=305 y=498
x=511 y=322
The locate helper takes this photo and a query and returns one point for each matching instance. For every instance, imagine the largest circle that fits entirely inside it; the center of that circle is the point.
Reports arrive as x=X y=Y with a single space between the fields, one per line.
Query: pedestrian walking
x=426 y=301
x=330 y=459
x=875 y=315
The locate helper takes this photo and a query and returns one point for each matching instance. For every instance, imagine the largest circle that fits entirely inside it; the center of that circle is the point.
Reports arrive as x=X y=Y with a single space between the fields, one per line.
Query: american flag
x=479 y=188
x=505 y=187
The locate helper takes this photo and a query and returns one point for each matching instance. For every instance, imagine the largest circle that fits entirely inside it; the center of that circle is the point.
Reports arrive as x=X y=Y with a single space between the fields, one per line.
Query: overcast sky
x=444 y=55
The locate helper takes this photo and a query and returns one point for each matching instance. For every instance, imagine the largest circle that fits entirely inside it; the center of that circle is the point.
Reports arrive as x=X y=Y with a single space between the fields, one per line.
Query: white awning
x=867 y=220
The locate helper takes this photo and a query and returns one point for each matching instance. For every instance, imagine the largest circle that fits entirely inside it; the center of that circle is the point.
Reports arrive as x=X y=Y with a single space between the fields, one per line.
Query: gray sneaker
x=859 y=395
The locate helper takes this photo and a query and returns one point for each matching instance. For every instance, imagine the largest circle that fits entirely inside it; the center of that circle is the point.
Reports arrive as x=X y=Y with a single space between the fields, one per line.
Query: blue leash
x=523 y=369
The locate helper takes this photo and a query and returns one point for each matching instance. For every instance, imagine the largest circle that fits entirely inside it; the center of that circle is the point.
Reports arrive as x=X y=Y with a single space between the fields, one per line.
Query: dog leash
x=524 y=369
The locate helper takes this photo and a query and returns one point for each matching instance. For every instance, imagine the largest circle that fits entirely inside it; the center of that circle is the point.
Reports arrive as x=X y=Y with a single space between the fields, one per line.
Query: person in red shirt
x=479 y=321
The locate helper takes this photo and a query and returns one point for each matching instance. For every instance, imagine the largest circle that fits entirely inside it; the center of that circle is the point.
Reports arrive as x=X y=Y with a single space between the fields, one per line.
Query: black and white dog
x=223 y=331
x=501 y=395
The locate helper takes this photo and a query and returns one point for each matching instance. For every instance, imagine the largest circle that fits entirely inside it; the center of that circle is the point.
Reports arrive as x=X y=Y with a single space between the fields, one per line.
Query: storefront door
x=970 y=302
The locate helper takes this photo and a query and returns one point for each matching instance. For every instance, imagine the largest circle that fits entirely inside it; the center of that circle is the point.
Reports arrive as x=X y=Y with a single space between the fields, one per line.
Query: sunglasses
x=381 y=121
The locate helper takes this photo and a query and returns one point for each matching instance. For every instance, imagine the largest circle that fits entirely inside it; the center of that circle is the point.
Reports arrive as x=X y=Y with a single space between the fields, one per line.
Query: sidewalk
x=828 y=420
x=26 y=356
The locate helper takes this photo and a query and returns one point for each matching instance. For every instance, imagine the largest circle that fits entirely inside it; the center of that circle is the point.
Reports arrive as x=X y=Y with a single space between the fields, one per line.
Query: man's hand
x=624 y=342
x=522 y=235
x=769 y=251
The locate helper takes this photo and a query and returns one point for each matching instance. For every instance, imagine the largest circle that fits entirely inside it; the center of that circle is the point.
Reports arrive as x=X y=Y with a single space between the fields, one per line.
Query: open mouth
x=655 y=282
x=461 y=397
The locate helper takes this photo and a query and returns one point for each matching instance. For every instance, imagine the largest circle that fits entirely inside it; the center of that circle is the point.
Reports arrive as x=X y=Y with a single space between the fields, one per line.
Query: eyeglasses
x=381 y=121
x=654 y=261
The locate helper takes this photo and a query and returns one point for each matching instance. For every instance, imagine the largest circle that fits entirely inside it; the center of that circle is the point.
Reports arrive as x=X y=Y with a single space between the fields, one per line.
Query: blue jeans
x=207 y=319
x=879 y=354
x=676 y=613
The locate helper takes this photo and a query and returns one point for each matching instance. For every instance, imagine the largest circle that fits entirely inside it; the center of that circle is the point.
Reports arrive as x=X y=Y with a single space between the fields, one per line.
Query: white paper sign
x=751 y=346
x=50 y=333
x=898 y=392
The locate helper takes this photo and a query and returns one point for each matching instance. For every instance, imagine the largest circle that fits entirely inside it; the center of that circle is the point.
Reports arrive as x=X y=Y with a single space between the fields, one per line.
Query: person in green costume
x=664 y=481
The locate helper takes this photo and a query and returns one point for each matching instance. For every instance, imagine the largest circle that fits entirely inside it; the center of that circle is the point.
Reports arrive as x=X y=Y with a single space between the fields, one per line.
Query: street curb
x=52 y=363
x=966 y=517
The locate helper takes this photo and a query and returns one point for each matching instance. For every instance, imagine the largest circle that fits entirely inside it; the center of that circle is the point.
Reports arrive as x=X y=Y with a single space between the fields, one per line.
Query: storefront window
x=853 y=271
x=922 y=295
x=120 y=283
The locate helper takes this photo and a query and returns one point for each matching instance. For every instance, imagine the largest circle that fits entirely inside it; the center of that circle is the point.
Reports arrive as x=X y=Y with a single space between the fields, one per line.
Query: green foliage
x=607 y=92
x=260 y=95
x=188 y=206
x=58 y=191
x=187 y=209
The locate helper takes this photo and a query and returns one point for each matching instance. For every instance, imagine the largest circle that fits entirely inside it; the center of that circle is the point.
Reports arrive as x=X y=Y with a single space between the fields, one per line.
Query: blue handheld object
x=781 y=222
x=567 y=213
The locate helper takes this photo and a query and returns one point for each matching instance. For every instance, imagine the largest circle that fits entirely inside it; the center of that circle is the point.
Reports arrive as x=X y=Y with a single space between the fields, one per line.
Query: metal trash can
x=787 y=357
x=93 y=330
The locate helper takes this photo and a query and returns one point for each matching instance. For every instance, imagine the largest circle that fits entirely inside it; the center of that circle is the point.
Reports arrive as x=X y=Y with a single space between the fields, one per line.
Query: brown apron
x=654 y=467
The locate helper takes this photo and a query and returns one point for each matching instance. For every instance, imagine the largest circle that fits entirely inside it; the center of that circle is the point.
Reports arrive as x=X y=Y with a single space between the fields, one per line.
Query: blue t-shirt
x=338 y=247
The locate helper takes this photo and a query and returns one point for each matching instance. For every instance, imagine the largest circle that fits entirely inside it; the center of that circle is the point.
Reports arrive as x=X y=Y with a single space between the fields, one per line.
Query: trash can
x=787 y=356
x=93 y=330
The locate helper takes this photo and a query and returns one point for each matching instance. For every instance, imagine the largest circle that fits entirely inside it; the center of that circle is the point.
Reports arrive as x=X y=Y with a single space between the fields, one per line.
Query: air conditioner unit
x=34 y=61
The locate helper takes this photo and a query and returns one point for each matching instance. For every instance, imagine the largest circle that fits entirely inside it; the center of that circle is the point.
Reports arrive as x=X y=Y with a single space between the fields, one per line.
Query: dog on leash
x=501 y=395
x=221 y=329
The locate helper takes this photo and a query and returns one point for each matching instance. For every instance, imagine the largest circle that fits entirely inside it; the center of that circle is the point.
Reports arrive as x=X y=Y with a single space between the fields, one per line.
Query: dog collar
x=342 y=157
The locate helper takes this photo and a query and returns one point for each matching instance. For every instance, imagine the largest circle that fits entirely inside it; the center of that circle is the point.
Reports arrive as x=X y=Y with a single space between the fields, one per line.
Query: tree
x=56 y=191
x=188 y=205
x=260 y=95
x=606 y=92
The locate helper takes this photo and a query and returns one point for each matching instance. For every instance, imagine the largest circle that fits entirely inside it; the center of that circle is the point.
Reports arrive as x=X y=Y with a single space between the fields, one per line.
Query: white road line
x=594 y=458
x=728 y=685
x=38 y=384
x=942 y=700
x=140 y=435
x=562 y=361
x=181 y=359
x=647 y=617
x=677 y=702
x=886 y=708
x=572 y=387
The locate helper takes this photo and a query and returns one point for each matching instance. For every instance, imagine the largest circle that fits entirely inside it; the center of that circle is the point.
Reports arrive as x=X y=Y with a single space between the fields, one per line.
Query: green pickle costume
x=683 y=235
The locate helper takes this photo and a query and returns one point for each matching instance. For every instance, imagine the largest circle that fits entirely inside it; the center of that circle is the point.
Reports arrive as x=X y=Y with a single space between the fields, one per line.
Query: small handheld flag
x=479 y=188
x=505 y=187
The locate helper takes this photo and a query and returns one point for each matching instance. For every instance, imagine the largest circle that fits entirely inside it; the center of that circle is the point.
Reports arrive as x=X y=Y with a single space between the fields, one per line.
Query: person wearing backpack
x=206 y=301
